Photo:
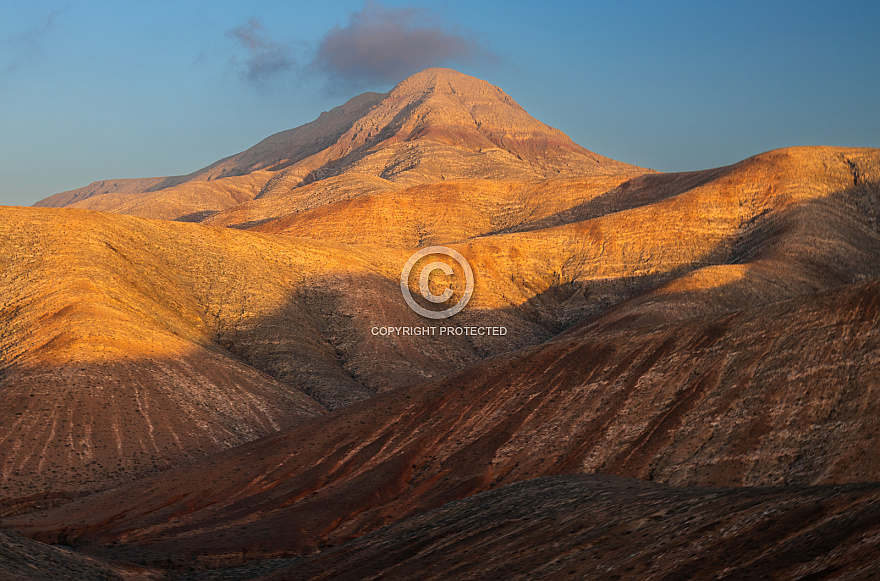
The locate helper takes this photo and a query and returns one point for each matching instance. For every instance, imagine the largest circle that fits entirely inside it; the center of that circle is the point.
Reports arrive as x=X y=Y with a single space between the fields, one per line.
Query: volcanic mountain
x=436 y=125
x=194 y=395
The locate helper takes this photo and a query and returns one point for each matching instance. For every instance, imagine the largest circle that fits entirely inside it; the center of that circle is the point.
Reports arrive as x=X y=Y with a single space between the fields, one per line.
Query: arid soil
x=191 y=377
x=599 y=527
x=697 y=403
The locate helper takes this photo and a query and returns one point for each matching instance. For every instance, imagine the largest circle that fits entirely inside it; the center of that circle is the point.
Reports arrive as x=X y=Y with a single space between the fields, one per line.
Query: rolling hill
x=192 y=375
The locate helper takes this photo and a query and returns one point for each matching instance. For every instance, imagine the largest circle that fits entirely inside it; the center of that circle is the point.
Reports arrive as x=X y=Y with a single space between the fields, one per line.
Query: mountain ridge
x=438 y=124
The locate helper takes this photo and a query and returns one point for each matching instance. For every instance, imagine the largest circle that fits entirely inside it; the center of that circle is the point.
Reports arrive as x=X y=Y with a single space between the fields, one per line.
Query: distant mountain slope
x=294 y=145
x=436 y=125
x=440 y=212
x=99 y=188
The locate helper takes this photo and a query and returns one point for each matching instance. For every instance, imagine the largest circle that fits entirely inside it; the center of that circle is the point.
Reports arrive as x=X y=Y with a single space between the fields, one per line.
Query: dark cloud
x=25 y=47
x=383 y=45
x=265 y=58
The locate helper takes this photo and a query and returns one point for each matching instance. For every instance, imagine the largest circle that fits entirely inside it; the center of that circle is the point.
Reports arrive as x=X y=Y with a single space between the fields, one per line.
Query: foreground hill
x=562 y=527
x=26 y=560
x=721 y=401
x=599 y=527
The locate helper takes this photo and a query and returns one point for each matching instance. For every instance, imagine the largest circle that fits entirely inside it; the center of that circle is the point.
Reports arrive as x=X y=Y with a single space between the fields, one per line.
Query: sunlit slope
x=436 y=125
x=112 y=345
x=131 y=309
x=780 y=224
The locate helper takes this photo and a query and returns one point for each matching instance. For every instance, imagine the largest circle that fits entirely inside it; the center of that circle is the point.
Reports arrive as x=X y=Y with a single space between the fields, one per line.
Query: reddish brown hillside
x=600 y=527
x=718 y=401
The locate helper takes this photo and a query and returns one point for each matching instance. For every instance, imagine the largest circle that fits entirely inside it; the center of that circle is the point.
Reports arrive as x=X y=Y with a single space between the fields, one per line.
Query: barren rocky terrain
x=600 y=527
x=22 y=559
x=697 y=403
x=191 y=377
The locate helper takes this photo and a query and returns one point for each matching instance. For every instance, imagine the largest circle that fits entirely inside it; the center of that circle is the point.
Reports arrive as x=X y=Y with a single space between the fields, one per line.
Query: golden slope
x=442 y=212
x=436 y=125
x=110 y=365
x=147 y=306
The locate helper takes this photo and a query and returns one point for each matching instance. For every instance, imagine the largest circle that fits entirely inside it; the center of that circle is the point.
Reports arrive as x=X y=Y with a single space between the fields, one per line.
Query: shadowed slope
x=731 y=400
x=577 y=527
x=601 y=527
x=25 y=560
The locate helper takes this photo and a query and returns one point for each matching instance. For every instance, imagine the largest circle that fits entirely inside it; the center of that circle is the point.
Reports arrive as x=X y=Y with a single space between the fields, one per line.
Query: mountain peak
x=445 y=81
x=460 y=91
x=434 y=125
x=438 y=124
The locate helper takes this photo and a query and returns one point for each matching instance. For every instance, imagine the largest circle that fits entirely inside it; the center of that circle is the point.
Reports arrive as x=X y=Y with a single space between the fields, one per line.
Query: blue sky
x=95 y=90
